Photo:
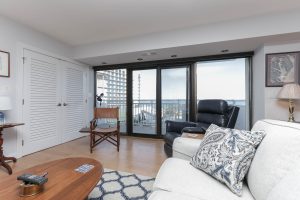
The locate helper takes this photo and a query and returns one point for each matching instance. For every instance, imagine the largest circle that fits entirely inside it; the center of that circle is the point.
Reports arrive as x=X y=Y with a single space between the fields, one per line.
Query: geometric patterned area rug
x=117 y=185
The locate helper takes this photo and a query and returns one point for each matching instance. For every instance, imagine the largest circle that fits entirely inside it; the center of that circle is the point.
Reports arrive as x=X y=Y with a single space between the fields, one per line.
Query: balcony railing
x=144 y=113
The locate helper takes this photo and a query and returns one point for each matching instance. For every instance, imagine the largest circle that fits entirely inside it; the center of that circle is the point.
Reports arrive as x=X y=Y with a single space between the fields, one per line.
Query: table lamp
x=290 y=92
x=5 y=104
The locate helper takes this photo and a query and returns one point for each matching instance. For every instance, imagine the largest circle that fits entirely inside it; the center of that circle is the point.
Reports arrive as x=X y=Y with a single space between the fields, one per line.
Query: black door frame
x=158 y=98
x=129 y=113
x=190 y=63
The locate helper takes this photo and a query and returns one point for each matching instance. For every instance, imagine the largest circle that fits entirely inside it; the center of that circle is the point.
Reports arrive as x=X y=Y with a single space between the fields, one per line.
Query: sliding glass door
x=144 y=101
x=174 y=105
x=158 y=95
x=148 y=94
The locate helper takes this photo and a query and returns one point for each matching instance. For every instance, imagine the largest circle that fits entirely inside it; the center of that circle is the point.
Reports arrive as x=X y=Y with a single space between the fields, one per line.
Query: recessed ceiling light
x=225 y=51
x=174 y=56
x=149 y=54
x=103 y=63
x=140 y=59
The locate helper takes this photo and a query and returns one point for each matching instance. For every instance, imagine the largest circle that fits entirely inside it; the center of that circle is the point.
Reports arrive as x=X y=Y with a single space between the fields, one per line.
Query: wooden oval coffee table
x=63 y=181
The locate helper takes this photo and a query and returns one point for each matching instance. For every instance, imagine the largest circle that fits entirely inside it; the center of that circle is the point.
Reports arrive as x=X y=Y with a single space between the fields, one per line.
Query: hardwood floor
x=137 y=155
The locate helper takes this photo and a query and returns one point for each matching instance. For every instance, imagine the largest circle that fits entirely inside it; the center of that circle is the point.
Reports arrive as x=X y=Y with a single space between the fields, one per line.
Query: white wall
x=91 y=93
x=258 y=85
x=11 y=35
x=265 y=103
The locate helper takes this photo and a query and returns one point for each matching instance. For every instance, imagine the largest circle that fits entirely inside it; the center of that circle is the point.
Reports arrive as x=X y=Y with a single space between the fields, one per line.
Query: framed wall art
x=282 y=68
x=4 y=64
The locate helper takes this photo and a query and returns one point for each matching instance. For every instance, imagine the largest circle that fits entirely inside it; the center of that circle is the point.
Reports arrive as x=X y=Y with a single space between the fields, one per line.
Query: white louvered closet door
x=74 y=106
x=42 y=94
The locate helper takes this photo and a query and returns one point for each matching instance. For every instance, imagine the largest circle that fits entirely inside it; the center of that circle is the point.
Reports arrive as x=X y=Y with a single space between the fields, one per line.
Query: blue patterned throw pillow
x=226 y=154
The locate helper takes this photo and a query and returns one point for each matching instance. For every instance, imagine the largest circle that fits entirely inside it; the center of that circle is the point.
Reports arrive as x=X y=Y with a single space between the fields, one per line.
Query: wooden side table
x=2 y=157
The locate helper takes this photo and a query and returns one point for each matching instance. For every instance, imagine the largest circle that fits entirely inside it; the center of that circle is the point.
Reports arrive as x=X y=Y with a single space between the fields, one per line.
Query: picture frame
x=4 y=64
x=282 y=68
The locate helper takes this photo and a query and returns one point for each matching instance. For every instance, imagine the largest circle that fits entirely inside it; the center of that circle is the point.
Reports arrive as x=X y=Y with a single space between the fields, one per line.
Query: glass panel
x=144 y=101
x=111 y=92
x=173 y=95
x=224 y=79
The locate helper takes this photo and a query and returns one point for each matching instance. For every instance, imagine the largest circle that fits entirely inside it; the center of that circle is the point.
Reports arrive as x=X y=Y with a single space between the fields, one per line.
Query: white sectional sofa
x=274 y=173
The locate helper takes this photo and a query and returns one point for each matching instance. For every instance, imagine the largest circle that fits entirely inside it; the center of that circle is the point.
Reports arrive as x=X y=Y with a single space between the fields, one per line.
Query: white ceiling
x=234 y=46
x=78 y=22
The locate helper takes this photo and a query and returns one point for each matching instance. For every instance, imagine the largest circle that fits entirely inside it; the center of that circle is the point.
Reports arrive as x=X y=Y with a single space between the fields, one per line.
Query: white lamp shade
x=5 y=103
x=289 y=91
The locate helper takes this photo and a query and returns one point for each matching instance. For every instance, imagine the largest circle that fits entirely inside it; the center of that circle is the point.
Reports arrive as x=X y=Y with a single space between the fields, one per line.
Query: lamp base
x=291 y=111
x=291 y=119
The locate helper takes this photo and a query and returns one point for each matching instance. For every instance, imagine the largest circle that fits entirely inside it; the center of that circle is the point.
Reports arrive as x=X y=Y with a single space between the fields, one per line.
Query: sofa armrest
x=185 y=148
x=177 y=126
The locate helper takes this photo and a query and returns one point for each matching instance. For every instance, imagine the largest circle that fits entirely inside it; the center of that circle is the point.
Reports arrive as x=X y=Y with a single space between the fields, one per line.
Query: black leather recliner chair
x=209 y=112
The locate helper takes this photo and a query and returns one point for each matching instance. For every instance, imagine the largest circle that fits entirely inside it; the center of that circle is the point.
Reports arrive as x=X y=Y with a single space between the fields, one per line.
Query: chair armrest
x=177 y=126
x=93 y=124
x=196 y=130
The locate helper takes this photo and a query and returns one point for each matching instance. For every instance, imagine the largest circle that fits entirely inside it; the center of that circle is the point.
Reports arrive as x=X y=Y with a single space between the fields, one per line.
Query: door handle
x=59 y=104
x=65 y=104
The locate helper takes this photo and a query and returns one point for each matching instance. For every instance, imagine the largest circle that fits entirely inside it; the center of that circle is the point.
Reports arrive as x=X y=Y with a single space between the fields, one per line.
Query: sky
x=215 y=80
x=221 y=80
x=147 y=83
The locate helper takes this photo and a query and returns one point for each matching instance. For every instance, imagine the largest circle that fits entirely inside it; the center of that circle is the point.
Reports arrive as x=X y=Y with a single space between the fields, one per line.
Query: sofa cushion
x=185 y=148
x=165 y=195
x=226 y=154
x=287 y=188
x=277 y=156
x=177 y=175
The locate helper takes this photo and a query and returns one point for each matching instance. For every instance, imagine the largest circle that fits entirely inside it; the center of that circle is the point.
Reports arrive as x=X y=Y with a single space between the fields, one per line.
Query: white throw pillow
x=226 y=154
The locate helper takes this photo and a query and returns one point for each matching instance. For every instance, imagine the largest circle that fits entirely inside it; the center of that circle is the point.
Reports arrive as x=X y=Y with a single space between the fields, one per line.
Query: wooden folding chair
x=110 y=134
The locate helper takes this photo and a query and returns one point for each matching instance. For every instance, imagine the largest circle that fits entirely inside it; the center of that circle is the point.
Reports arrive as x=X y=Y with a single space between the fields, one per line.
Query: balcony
x=144 y=113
